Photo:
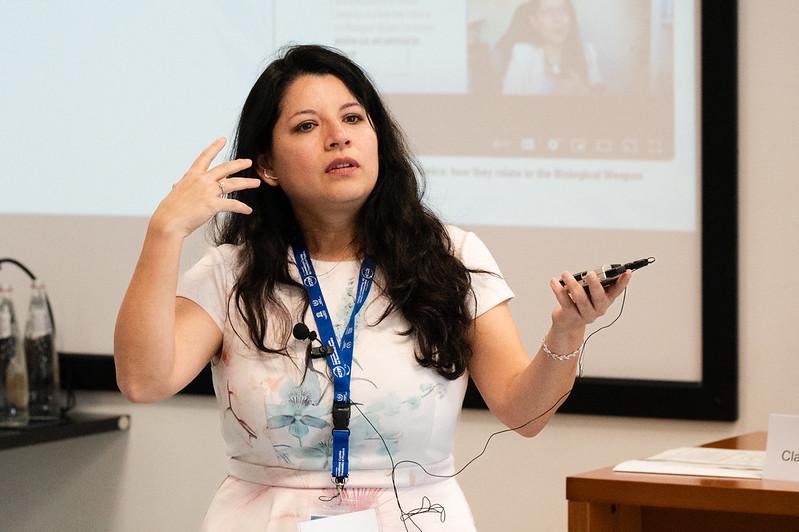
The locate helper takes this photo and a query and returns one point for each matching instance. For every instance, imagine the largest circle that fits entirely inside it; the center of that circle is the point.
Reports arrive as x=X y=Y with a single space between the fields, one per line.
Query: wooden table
x=604 y=501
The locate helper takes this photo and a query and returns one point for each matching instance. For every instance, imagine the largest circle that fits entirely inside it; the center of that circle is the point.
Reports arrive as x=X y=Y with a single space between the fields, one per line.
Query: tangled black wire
x=427 y=506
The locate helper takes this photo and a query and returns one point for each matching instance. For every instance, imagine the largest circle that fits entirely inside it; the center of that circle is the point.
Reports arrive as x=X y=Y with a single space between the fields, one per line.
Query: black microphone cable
x=427 y=506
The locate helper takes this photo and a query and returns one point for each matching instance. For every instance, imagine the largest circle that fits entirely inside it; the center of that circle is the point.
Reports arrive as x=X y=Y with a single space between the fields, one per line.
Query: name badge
x=782 y=450
x=364 y=521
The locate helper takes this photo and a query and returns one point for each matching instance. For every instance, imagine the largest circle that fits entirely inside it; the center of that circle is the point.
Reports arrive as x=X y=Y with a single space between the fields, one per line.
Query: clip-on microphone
x=301 y=332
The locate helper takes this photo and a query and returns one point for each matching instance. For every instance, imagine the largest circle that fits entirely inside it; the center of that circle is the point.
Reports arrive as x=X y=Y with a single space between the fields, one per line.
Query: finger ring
x=221 y=187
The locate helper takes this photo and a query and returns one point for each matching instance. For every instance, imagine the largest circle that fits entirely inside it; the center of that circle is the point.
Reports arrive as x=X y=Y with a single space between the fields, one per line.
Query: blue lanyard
x=340 y=361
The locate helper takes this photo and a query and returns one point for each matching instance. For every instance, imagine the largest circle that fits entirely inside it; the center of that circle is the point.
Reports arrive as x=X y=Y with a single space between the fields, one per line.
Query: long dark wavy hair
x=411 y=247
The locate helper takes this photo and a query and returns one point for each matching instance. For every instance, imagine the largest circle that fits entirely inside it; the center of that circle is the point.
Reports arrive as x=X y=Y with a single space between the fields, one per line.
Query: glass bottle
x=13 y=372
x=42 y=359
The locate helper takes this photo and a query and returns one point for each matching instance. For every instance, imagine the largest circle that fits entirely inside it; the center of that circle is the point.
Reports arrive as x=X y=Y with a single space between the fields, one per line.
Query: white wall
x=158 y=476
x=161 y=474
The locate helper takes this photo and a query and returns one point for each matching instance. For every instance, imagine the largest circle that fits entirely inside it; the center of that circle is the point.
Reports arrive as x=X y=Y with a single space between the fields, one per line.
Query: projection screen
x=106 y=104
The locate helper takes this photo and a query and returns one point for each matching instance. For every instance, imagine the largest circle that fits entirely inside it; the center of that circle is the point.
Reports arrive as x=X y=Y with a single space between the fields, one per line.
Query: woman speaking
x=323 y=234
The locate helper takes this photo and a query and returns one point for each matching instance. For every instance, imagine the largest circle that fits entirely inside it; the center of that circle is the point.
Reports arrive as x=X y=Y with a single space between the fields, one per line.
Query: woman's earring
x=267 y=176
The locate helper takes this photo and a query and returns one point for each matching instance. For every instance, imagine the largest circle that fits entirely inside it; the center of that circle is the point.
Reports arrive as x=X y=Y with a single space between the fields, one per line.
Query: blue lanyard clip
x=341 y=415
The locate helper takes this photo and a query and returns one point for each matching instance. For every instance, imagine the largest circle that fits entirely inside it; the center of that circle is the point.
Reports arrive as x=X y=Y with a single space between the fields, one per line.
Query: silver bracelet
x=555 y=356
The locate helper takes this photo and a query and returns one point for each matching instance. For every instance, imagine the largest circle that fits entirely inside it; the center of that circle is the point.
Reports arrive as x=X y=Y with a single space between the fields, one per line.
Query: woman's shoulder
x=457 y=236
x=229 y=251
x=464 y=244
x=475 y=256
x=525 y=51
x=223 y=255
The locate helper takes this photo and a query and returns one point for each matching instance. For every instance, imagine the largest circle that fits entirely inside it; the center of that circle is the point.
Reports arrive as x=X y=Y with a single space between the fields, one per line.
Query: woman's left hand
x=575 y=308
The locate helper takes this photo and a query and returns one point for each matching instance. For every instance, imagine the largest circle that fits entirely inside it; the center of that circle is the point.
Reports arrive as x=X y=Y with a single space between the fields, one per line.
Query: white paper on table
x=700 y=461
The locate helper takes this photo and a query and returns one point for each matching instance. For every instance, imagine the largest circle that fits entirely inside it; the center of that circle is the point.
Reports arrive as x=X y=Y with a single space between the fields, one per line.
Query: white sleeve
x=513 y=82
x=490 y=289
x=592 y=61
x=526 y=71
x=209 y=283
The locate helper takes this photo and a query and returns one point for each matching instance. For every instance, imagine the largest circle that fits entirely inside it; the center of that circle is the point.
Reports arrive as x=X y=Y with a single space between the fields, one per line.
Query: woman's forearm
x=144 y=338
x=544 y=383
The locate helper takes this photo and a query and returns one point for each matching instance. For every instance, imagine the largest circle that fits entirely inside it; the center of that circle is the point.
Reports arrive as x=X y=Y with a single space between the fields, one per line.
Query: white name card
x=782 y=451
x=363 y=521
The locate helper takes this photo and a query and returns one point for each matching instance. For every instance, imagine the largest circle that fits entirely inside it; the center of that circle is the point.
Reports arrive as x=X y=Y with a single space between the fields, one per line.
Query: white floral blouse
x=276 y=417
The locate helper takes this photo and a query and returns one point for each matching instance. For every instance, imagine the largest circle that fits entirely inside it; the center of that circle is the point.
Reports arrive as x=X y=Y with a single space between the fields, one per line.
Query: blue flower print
x=414 y=402
x=316 y=456
x=300 y=411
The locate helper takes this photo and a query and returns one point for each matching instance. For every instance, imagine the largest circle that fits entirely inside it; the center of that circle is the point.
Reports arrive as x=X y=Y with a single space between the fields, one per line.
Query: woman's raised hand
x=200 y=193
x=575 y=308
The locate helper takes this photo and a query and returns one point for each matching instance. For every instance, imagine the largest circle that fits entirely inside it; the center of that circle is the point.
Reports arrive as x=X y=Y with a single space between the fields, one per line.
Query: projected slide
x=540 y=114
x=512 y=103
x=563 y=132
